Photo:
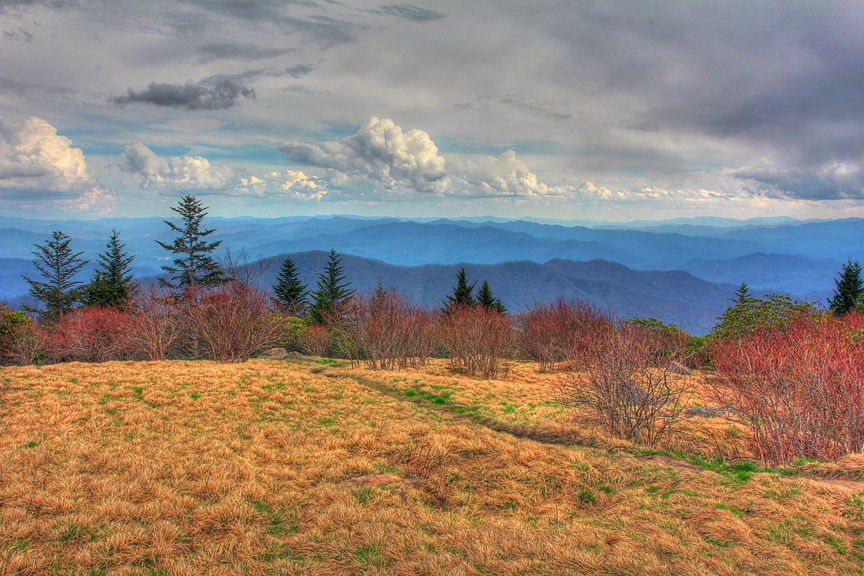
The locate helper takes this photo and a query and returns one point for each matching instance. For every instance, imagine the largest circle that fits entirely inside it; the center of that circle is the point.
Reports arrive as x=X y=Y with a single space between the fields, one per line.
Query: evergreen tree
x=332 y=291
x=742 y=294
x=112 y=283
x=194 y=267
x=849 y=293
x=59 y=266
x=290 y=292
x=488 y=300
x=461 y=292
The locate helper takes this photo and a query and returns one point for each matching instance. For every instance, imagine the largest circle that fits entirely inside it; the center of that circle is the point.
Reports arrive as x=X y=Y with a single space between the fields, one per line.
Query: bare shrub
x=548 y=332
x=23 y=344
x=232 y=323
x=315 y=341
x=477 y=338
x=92 y=334
x=156 y=323
x=384 y=329
x=629 y=381
x=799 y=388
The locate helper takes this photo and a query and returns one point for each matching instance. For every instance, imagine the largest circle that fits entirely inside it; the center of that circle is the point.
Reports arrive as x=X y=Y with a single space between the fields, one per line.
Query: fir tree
x=461 y=292
x=112 y=283
x=332 y=291
x=59 y=266
x=742 y=294
x=488 y=300
x=194 y=267
x=290 y=292
x=849 y=293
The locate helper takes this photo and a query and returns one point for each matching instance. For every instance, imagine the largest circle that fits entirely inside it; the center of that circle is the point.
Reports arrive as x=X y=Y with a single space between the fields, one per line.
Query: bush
x=798 y=388
x=21 y=340
x=91 y=334
x=548 y=333
x=232 y=323
x=384 y=329
x=477 y=338
x=156 y=323
x=629 y=379
x=752 y=315
x=315 y=341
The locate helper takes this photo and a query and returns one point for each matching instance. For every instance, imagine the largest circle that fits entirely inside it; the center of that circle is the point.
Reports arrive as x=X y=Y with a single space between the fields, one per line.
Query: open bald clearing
x=281 y=467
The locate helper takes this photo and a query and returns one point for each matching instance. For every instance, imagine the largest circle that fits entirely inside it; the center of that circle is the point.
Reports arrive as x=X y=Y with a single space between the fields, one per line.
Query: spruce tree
x=488 y=300
x=849 y=293
x=194 y=267
x=112 y=283
x=332 y=291
x=742 y=294
x=461 y=292
x=59 y=266
x=290 y=292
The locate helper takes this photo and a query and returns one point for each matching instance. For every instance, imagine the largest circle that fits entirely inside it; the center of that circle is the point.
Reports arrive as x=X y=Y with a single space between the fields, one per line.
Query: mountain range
x=778 y=255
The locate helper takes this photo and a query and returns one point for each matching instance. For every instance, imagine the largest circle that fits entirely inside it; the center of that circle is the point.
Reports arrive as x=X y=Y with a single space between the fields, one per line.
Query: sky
x=570 y=109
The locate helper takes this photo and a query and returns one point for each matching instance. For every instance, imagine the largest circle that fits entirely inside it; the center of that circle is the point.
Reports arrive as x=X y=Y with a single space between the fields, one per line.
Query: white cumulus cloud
x=380 y=152
x=177 y=172
x=35 y=159
x=505 y=175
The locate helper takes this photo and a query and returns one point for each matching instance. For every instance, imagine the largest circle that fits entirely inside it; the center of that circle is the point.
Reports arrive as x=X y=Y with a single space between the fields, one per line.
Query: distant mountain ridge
x=800 y=257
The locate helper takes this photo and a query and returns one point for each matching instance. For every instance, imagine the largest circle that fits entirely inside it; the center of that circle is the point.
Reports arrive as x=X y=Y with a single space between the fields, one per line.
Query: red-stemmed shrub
x=549 y=332
x=231 y=323
x=629 y=379
x=799 y=389
x=315 y=341
x=477 y=338
x=156 y=323
x=92 y=334
x=384 y=329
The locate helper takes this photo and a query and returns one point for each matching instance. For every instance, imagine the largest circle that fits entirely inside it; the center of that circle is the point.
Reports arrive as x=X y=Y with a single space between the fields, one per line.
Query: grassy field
x=273 y=467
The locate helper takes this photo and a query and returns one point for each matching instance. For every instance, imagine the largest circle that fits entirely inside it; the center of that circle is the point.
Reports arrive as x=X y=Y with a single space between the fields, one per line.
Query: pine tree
x=59 y=266
x=742 y=294
x=849 y=293
x=194 y=268
x=331 y=291
x=290 y=292
x=461 y=292
x=488 y=300
x=112 y=283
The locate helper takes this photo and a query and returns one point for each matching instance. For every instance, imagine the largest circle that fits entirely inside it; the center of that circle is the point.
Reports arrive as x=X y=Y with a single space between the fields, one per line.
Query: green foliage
x=58 y=267
x=462 y=292
x=291 y=328
x=290 y=292
x=752 y=314
x=112 y=283
x=332 y=290
x=849 y=293
x=487 y=299
x=194 y=267
x=742 y=294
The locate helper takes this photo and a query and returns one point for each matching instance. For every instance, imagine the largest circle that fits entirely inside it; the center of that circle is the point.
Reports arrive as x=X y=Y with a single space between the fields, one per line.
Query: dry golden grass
x=200 y=468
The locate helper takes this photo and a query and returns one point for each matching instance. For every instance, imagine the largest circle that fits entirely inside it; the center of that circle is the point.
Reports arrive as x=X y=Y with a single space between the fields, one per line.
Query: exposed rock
x=679 y=368
x=274 y=354
x=293 y=355
x=709 y=412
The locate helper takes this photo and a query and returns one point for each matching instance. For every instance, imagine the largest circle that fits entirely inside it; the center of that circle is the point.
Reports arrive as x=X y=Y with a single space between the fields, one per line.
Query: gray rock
x=679 y=368
x=709 y=412
x=274 y=354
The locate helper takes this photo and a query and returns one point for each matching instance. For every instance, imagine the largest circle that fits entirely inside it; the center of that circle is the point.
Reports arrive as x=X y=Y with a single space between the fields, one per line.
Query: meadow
x=287 y=467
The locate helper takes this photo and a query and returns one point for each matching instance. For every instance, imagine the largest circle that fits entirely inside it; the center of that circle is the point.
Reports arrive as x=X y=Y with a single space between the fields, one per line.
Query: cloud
x=37 y=160
x=94 y=200
x=410 y=12
x=175 y=173
x=502 y=176
x=219 y=95
x=227 y=50
x=381 y=153
x=833 y=180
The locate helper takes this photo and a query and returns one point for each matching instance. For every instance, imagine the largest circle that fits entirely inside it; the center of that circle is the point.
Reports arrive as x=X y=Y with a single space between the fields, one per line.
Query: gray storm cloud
x=221 y=95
